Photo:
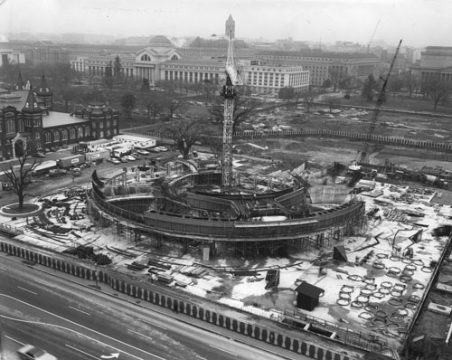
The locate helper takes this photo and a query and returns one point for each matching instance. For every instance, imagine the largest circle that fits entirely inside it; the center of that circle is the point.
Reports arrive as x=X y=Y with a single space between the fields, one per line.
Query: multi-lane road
x=47 y=309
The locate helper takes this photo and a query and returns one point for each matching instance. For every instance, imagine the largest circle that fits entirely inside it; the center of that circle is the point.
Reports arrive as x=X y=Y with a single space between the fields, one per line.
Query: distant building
x=270 y=79
x=45 y=52
x=321 y=64
x=192 y=70
x=144 y=64
x=28 y=113
x=436 y=61
x=162 y=61
x=13 y=57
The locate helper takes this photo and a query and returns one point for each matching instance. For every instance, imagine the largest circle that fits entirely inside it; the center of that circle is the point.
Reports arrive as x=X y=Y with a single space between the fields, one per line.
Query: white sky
x=417 y=22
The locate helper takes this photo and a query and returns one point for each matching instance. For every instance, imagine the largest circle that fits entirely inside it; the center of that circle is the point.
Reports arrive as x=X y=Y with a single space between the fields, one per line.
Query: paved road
x=69 y=318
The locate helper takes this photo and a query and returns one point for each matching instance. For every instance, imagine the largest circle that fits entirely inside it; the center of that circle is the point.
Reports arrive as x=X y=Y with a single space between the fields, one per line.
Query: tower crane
x=229 y=93
x=373 y=35
x=364 y=155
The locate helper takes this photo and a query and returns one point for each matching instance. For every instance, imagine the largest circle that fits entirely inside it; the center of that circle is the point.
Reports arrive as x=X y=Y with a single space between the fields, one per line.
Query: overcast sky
x=417 y=22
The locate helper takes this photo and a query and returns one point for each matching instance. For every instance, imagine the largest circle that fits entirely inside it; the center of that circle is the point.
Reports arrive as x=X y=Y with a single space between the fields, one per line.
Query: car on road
x=30 y=352
x=143 y=152
x=114 y=161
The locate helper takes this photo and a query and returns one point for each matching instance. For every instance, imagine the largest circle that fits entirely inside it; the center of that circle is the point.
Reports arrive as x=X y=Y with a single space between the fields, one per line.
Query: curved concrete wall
x=230 y=231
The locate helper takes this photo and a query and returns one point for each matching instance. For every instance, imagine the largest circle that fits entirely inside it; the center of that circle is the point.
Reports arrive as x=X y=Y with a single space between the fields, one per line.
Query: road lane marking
x=225 y=350
x=81 y=351
x=12 y=339
x=84 y=312
x=156 y=323
x=32 y=292
x=77 y=332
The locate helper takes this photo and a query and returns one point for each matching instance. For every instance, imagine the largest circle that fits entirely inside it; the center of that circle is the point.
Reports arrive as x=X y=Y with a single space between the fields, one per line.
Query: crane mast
x=229 y=93
x=364 y=156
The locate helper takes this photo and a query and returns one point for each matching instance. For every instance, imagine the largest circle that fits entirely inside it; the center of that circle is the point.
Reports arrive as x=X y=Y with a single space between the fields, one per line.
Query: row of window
x=73 y=134
x=10 y=125
x=191 y=76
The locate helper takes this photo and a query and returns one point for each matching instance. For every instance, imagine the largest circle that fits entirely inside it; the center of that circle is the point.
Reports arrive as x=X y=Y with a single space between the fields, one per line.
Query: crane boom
x=364 y=156
x=373 y=35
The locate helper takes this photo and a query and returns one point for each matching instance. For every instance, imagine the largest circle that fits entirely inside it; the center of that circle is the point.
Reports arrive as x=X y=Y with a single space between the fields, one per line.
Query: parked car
x=143 y=152
x=130 y=158
x=123 y=159
x=114 y=161
x=161 y=148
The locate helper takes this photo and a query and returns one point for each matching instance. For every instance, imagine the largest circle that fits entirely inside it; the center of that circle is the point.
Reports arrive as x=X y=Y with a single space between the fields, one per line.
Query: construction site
x=349 y=258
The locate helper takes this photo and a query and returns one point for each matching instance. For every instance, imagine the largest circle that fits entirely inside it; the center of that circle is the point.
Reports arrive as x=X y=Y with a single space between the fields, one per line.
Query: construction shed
x=308 y=296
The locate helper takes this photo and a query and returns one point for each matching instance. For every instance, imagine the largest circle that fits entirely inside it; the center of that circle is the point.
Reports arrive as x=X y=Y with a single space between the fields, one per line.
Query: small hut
x=308 y=296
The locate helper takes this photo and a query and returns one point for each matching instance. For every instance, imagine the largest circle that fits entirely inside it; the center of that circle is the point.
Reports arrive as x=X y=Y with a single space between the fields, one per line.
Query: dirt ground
x=43 y=185
x=326 y=151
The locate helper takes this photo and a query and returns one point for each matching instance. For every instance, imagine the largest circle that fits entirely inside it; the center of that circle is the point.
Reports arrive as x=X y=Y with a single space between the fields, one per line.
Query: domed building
x=160 y=41
x=148 y=60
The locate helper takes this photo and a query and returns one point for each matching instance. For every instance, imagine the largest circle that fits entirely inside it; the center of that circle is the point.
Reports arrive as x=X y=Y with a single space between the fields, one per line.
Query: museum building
x=28 y=112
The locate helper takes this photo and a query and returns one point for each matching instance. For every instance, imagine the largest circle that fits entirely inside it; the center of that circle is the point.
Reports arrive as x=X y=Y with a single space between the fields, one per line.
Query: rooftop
x=160 y=41
x=58 y=118
x=15 y=99
x=200 y=62
x=317 y=54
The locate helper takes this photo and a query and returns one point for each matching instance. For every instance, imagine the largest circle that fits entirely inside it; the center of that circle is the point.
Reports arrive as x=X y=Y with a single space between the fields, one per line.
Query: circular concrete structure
x=239 y=223
x=12 y=210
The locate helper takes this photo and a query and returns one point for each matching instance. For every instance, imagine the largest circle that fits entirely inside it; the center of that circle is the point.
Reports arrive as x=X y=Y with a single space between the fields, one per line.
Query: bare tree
x=18 y=175
x=212 y=138
x=243 y=109
x=437 y=89
x=209 y=89
x=184 y=133
x=308 y=99
x=335 y=75
x=167 y=86
x=128 y=102
x=333 y=102
x=153 y=102
x=171 y=104
x=411 y=82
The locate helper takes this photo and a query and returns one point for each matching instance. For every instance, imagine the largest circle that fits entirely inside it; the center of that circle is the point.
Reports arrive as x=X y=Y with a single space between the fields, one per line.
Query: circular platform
x=28 y=209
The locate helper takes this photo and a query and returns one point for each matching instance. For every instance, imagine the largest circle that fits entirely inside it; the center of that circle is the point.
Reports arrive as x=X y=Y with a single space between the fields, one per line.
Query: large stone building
x=322 y=65
x=162 y=61
x=269 y=79
x=44 y=52
x=204 y=60
x=8 y=56
x=28 y=112
x=436 y=61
